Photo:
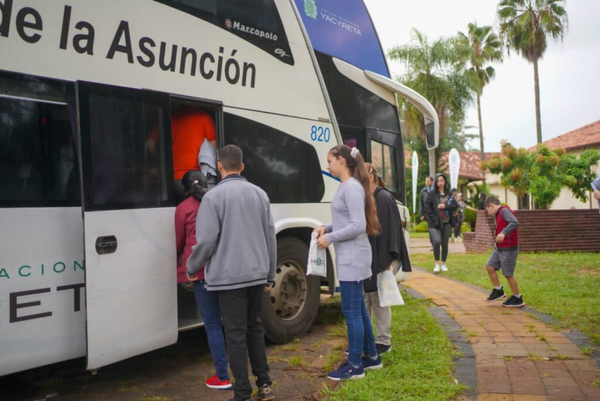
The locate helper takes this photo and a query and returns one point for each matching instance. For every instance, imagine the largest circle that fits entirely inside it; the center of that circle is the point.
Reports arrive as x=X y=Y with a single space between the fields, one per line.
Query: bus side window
x=38 y=161
x=383 y=157
x=285 y=167
x=125 y=168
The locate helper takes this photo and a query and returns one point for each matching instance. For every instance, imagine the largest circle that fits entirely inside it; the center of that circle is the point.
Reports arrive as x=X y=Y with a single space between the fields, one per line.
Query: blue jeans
x=358 y=322
x=208 y=303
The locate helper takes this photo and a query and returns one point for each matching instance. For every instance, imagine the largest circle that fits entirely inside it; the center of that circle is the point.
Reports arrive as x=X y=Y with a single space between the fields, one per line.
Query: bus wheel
x=290 y=307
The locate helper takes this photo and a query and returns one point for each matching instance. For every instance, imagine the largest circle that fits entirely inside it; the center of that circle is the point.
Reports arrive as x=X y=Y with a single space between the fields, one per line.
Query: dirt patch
x=178 y=372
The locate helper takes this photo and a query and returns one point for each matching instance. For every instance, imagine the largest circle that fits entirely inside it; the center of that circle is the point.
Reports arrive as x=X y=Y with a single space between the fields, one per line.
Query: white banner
x=415 y=174
x=454 y=167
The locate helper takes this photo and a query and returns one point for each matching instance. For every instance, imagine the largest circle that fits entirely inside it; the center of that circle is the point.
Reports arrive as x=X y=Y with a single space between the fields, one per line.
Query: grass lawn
x=419 y=366
x=414 y=234
x=565 y=286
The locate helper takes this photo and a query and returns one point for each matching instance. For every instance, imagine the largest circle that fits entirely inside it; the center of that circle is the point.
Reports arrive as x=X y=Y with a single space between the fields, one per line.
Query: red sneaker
x=214 y=382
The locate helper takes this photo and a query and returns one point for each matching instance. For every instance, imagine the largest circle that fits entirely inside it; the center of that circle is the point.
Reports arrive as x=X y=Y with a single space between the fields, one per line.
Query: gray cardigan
x=348 y=232
x=235 y=236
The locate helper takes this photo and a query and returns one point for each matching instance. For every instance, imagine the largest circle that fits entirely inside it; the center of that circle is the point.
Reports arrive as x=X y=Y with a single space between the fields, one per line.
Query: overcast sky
x=569 y=71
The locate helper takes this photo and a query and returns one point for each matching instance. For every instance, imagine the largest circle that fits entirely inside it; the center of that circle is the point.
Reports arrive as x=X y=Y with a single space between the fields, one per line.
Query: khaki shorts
x=505 y=260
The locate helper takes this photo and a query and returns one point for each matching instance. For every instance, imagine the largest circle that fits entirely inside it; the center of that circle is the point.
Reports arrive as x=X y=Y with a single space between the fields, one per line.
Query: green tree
x=543 y=172
x=513 y=166
x=525 y=25
x=433 y=70
x=578 y=174
x=481 y=46
x=545 y=176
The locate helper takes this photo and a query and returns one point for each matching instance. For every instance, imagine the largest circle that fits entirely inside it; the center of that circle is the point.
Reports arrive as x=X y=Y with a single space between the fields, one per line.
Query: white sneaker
x=444 y=268
x=436 y=269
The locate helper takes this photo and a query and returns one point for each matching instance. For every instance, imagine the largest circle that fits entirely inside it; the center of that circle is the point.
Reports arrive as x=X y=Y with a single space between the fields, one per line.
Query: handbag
x=389 y=294
x=317 y=259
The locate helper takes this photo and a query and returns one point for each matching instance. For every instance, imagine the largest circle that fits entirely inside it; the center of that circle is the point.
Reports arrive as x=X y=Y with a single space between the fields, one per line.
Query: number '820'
x=320 y=134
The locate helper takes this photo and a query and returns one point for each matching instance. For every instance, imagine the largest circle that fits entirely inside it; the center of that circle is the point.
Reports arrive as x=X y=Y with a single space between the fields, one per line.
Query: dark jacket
x=422 y=196
x=432 y=213
x=389 y=245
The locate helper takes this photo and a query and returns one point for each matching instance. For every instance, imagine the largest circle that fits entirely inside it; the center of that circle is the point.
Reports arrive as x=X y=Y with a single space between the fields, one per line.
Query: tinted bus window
x=353 y=104
x=383 y=157
x=126 y=136
x=38 y=161
x=286 y=168
x=256 y=21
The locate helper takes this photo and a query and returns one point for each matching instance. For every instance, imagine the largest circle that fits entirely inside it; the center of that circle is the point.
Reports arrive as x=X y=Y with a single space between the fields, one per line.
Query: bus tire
x=289 y=309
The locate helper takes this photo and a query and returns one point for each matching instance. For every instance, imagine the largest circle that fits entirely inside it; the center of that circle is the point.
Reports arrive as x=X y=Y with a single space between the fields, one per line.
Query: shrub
x=465 y=228
x=421 y=227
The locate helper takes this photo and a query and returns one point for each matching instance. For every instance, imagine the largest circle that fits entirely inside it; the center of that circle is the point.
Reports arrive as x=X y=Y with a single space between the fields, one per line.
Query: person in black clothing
x=439 y=208
x=423 y=195
x=386 y=248
x=481 y=201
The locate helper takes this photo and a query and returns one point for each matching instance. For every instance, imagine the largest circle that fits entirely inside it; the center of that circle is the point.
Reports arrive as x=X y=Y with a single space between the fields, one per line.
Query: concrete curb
x=465 y=365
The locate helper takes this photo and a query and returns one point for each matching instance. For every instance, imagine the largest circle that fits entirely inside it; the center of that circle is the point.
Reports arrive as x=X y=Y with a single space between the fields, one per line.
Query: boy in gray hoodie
x=235 y=236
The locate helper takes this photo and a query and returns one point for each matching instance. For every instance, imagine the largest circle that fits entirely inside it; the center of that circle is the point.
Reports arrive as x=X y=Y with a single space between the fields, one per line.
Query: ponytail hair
x=356 y=165
x=195 y=183
x=373 y=173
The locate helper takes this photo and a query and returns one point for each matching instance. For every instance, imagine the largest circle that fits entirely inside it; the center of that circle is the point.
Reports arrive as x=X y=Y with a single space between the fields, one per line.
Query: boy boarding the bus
x=505 y=253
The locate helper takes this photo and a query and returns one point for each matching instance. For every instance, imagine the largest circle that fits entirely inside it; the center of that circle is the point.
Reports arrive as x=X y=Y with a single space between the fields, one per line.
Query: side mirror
x=431 y=138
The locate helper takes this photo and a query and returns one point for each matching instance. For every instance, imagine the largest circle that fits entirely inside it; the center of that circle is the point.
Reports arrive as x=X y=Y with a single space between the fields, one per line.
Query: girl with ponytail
x=196 y=185
x=354 y=218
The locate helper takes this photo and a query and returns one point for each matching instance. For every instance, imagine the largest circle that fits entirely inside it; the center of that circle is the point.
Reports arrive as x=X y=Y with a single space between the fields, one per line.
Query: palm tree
x=525 y=26
x=481 y=46
x=434 y=71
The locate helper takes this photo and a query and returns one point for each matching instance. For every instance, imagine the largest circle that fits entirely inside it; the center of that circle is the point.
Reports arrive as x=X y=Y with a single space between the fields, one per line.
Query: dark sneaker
x=496 y=295
x=382 y=348
x=215 y=382
x=346 y=372
x=369 y=363
x=514 y=302
x=265 y=392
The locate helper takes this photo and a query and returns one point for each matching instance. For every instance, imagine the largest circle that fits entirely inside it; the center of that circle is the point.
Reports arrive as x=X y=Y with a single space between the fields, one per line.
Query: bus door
x=128 y=208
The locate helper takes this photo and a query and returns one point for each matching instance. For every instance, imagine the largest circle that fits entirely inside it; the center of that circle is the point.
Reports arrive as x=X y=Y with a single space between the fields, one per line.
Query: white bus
x=87 y=243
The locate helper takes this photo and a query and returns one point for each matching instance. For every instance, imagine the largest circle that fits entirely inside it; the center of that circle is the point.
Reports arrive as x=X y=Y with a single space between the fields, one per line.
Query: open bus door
x=128 y=209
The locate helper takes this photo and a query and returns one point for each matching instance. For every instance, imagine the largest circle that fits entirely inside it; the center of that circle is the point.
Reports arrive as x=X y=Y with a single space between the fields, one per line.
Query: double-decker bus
x=88 y=91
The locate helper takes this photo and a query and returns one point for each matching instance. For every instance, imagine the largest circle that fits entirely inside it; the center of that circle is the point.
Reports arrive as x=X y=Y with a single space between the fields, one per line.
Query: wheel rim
x=288 y=295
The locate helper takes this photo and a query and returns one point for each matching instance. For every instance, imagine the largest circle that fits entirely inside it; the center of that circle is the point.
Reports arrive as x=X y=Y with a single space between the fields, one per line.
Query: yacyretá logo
x=318 y=262
x=310 y=8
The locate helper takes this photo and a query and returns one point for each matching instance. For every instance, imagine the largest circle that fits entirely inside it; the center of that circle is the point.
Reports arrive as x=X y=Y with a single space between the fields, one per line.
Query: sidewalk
x=517 y=357
x=422 y=245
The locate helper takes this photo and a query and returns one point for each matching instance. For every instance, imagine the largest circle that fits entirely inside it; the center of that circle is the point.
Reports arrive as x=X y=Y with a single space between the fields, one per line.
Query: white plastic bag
x=389 y=294
x=317 y=259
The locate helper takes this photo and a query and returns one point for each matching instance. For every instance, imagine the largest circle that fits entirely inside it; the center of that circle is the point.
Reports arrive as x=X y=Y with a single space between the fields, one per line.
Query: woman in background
x=439 y=207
